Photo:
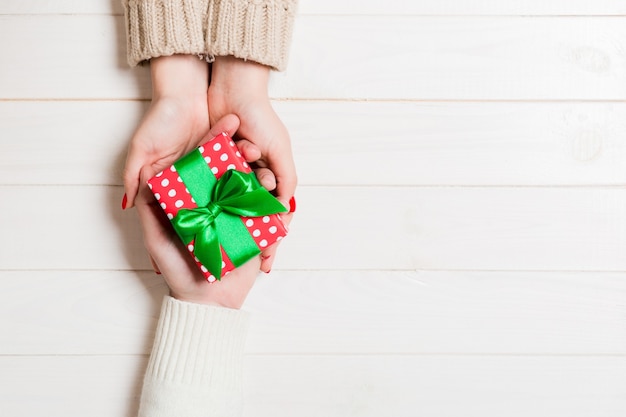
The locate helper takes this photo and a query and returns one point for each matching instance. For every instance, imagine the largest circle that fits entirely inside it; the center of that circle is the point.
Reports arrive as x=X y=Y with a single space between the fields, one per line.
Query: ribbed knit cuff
x=164 y=27
x=195 y=368
x=258 y=30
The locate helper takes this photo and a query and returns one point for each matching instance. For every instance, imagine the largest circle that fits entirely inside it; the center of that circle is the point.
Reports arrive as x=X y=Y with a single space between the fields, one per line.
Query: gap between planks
x=529 y=271
x=330 y=100
x=343 y=354
x=392 y=186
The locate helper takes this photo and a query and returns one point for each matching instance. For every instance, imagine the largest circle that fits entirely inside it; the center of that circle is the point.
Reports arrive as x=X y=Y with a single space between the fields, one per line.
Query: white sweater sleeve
x=195 y=368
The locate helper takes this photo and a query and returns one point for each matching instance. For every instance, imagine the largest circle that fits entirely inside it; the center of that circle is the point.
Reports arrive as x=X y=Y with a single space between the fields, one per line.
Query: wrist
x=207 y=299
x=179 y=76
x=231 y=75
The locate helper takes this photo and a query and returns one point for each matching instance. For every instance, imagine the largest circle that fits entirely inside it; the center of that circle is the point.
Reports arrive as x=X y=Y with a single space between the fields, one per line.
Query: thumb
x=227 y=124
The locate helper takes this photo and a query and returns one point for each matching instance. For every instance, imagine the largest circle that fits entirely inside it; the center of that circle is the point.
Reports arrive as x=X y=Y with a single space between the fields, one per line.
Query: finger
x=131 y=176
x=269 y=255
x=267 y=258
x=286 y=218
x=227 y=124
x=146 y=211
x=251 y=152
x=152 y=218
x=286 y=182
x=154 y=265
x=282 y=165
x=266 y=178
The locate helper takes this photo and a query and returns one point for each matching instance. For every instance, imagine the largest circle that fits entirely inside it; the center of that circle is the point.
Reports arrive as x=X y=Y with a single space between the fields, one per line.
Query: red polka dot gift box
x=217 y=207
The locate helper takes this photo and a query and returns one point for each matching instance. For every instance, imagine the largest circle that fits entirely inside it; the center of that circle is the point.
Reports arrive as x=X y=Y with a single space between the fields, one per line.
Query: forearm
x=179 y=75
x=195 y=368
x=233 y=76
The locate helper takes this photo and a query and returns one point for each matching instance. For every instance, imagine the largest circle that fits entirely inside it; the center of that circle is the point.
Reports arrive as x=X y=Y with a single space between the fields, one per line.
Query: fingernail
x=158 y=272
x=269 y=270
x=292 y=205
x=124 y=202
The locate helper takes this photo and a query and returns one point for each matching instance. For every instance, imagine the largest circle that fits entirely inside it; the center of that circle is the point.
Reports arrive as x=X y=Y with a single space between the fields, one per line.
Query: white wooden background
x=460 y=245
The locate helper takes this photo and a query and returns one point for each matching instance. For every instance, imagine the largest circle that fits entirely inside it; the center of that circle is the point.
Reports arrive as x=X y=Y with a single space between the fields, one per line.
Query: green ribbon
x=221 y=202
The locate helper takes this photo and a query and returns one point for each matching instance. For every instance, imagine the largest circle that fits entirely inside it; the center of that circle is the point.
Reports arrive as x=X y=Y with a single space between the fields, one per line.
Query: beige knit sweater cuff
x=258 y=30
x=195 y=368
x=164 y=27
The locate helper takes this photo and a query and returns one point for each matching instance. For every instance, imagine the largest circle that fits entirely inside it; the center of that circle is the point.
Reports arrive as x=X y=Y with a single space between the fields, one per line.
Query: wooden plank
x=101 y=313
x=438 y=312
x=74 y=7
x=442 y=386
x=367 y=312
x=80 y=56
x=447 y=143
x=69 y=386
x=364 y=386
x=456 y=58
x=360 y=228
x=462 y=7
x=359 y=7
x=357 y=143
x=459 y=59
x=74 y=142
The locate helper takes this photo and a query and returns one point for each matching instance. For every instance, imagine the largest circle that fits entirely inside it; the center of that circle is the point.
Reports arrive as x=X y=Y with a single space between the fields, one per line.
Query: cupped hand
x=240 y=87
x=178 y=118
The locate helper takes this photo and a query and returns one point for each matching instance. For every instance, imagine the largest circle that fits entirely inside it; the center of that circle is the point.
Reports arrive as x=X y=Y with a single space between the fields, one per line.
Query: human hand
x=240 y=87
x=172 y=258
x=175 y=122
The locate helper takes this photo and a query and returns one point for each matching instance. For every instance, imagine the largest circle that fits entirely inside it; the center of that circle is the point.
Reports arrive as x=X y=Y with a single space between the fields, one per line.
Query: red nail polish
x=157 y=272
x=269 y=270
x=292 y=205
x=124 y=202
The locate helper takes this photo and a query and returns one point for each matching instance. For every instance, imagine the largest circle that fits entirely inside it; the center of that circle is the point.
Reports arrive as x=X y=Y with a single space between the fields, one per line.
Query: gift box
x=217 y=207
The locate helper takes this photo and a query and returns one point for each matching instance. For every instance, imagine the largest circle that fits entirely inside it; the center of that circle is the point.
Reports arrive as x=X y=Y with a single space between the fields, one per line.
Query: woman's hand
x=240 y=87
x=177 y=120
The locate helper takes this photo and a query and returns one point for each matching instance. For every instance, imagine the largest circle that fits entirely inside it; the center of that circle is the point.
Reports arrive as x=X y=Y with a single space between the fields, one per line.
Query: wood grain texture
x=530 y=59
x=362 y=143
x=359 y=7
x=77 y=57
x=346 y=228
x=447 y=386
x=463 y=7
x=336 y=386
x=453 y=58
x=330 y=312
x=40 y=386
x=461 y=253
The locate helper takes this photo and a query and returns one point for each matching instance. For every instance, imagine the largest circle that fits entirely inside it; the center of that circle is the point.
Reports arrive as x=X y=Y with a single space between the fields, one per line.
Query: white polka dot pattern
x=221 y=155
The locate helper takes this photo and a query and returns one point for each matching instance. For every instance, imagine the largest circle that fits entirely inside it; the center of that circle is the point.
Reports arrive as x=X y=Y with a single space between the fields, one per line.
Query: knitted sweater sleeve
x=195 y=368
x=258 y=30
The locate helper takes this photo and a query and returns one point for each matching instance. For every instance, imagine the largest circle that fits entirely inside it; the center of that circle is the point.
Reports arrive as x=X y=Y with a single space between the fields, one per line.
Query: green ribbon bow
x=216 y=221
